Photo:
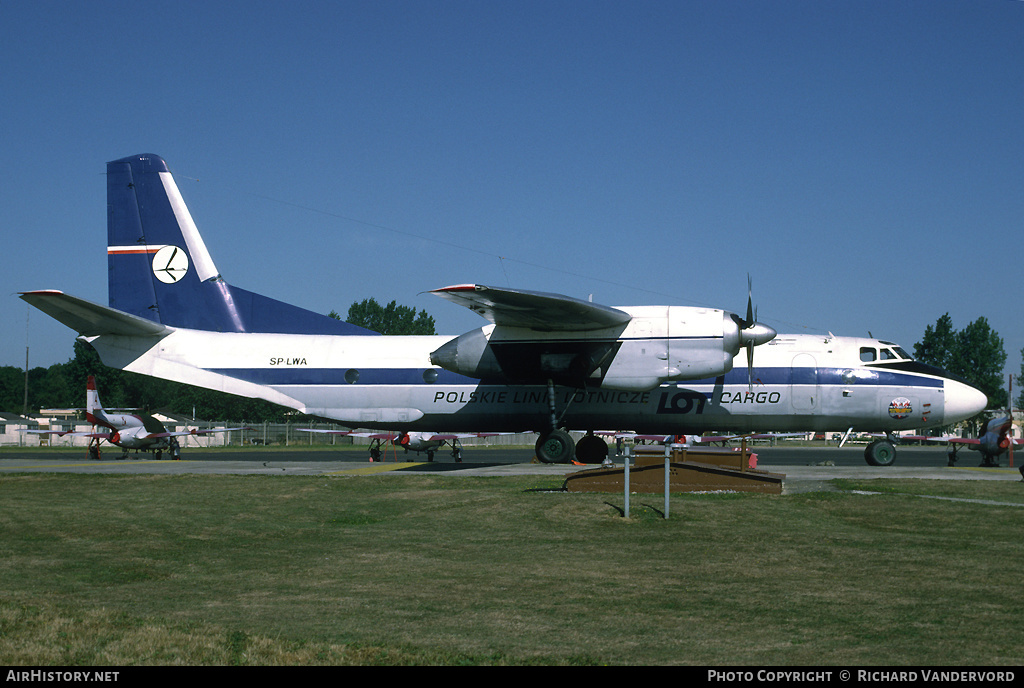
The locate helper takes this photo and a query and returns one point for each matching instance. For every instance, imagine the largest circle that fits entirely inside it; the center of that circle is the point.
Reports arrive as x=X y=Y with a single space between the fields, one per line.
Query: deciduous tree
x=975 y=354
x=390 y=319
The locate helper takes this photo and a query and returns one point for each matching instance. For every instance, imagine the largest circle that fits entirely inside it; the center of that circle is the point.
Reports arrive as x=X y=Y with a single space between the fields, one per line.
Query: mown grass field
x=432 y=569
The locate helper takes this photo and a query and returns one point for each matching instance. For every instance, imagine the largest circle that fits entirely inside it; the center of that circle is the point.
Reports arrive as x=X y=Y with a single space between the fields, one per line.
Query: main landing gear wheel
x=880 y=453
x=591 y=449
x=555 y=447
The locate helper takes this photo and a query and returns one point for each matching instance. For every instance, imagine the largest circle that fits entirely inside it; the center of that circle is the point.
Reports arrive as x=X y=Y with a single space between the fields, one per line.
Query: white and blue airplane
x=544 y=363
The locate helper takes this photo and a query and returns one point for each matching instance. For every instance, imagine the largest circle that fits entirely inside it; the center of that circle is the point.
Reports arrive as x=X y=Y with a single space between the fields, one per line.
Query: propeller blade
x=752 y=333
x=750 y=304
x=750 y=366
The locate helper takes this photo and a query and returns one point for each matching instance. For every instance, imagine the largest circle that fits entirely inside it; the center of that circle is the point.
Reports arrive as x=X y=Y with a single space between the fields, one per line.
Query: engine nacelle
x=659 y=344
x=469 y=355
x=673 y=343
x=519 y=356
x=641 y=378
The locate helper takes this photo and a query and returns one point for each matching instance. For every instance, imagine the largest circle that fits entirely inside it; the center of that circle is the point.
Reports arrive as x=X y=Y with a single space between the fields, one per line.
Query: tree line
x=975 y=354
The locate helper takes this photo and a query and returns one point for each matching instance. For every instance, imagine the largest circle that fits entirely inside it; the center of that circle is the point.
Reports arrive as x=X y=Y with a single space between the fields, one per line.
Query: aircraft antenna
x=501 y=259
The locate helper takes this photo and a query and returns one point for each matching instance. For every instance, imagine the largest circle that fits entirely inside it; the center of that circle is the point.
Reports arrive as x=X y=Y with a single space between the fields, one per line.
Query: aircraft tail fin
x=160 y=269
x=92 y=400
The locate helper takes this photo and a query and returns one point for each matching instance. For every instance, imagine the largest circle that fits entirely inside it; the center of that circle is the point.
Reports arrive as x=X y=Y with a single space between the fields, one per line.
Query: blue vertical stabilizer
x=159 y=268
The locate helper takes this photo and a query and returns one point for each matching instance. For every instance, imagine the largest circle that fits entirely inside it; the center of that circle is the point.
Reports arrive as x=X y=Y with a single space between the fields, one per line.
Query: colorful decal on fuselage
x=900 y=408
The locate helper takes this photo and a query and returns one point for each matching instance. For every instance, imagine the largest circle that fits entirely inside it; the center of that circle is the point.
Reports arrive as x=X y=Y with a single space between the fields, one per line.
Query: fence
x=291 y=435
x=259 y=434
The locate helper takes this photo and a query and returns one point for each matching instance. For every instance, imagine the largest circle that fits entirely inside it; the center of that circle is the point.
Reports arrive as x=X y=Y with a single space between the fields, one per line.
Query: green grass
x=431 y=569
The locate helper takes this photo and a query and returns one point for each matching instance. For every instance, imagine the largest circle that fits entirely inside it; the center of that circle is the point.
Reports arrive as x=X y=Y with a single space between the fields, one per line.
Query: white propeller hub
x=757 y=334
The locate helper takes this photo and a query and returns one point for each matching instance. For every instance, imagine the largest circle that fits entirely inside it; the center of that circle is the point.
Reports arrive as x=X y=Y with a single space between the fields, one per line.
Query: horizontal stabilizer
x=91 y=319
x=195 y=432
x=534 y=310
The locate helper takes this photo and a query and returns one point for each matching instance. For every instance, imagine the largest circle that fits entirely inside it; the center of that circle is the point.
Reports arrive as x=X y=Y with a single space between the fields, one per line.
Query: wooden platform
x=700 y=470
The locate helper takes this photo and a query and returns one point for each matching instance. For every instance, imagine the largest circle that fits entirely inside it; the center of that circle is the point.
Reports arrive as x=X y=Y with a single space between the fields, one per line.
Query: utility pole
x=24 y=412
x=1010 y=405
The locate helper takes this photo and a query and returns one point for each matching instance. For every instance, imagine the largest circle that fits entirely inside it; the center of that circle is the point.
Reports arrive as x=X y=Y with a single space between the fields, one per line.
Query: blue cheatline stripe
x=343 y=376
x=825 y=376
x=415 y=376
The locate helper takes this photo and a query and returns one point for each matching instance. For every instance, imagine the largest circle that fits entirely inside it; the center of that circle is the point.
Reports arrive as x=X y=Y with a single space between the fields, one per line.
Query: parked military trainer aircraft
x=545 y=362
x=427 y=442
x=993 y=442
x=129 y=431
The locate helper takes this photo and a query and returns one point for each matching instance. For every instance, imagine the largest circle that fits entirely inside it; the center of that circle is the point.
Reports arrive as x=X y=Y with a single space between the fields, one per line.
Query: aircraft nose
x=962 y=401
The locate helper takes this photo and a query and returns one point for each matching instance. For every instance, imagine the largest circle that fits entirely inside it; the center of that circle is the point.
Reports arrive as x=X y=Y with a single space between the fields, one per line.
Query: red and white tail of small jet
x=129 y=431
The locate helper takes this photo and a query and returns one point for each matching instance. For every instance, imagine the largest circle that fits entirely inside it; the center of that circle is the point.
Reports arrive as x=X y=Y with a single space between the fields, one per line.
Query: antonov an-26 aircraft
x=545 y=362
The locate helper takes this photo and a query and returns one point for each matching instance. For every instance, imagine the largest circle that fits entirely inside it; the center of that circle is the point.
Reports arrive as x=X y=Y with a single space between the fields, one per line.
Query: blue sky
x=861 y=161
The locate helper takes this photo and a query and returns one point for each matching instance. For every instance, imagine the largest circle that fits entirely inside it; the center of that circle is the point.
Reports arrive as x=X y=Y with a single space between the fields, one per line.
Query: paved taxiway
x=805 y=468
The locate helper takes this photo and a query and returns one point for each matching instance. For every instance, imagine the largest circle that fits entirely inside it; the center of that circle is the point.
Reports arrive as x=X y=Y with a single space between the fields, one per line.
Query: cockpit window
x=886 y=352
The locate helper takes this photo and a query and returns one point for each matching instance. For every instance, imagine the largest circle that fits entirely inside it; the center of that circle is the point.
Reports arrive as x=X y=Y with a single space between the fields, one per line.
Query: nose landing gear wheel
x=880 y=453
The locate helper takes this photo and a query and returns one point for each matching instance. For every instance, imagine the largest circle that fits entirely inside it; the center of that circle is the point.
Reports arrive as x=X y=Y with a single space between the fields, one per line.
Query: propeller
x=752 y=333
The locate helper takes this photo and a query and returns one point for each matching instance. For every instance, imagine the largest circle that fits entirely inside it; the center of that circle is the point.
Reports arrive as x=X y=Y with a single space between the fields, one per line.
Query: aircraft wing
x=394 y=435
x=91 y=319
x=350 y=433
x=65 y=433
x=956 y=440
x=183 y=433
x=533 y=310
x=465 y=435
x=695 y=439
x=950 y=439
x=635 y=436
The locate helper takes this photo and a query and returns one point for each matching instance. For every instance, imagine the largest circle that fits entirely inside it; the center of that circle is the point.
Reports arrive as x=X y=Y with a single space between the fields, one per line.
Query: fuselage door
x=804 y=384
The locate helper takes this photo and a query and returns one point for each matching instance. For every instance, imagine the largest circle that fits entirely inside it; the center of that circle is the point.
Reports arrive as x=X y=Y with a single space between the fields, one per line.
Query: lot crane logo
x=900 y=408
x=170 y=264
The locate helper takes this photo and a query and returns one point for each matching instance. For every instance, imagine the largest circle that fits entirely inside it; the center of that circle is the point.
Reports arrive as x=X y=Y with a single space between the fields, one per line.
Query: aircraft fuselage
x=799 y=383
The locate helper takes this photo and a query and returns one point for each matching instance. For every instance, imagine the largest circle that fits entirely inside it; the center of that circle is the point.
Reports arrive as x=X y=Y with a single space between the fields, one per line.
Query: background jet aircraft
x=427 y=442
x=546 y=362
x=129 y=431
x=993 y=442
